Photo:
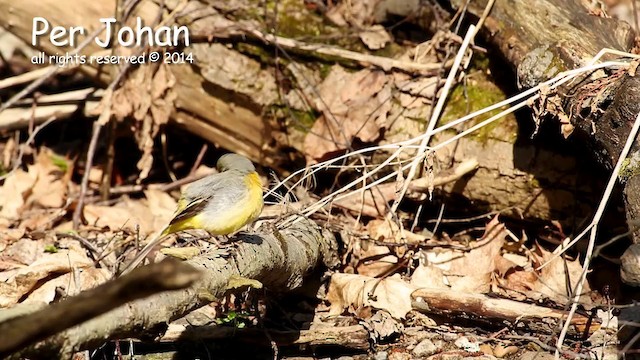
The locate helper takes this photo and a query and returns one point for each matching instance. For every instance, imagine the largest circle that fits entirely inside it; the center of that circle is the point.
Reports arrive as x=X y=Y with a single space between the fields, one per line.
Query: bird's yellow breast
x=238 y=214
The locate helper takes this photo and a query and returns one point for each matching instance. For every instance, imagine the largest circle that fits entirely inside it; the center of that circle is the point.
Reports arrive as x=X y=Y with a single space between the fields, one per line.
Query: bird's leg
x=225 y=247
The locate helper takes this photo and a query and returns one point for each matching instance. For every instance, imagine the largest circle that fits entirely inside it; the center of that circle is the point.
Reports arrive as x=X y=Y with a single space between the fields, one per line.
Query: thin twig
x=28 y=76
x=96 y=252
x=199 y=158
x=31 y=138
x=103 y=119
x=326 y=50
x=51 y=72
x=97 y=126
x=434 y=117
x=613 y=179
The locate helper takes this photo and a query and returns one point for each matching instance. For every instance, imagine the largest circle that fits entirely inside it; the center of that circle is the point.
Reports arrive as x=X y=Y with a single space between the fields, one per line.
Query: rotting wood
x=542 y=38
x=520 y=315
x=354 y=337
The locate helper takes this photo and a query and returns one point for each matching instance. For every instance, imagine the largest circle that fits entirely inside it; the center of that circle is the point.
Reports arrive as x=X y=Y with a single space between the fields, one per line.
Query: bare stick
x=27 y=77
x=613 y=179
x=479 y=306
x=353 y=337
x=97 y=126
x=326 y=50
x=59 y=105
x=51 y=72
x=435 y=116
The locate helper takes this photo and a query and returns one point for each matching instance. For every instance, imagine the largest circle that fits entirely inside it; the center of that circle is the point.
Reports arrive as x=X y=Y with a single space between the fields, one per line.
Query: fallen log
x=540 y=39
x=277 y=261
x=522 y=316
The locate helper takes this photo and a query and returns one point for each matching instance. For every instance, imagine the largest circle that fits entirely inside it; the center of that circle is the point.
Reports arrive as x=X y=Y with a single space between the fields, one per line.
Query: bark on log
x=542 y=38
x=279 y=261
x=520 y=315
x=354 y=337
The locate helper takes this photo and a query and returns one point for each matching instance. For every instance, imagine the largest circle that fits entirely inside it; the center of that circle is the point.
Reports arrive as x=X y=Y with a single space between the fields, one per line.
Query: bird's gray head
x=234 y=162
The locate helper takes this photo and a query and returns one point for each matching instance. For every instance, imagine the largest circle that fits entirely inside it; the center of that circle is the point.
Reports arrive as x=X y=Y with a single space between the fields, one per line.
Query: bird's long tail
x=146 y=250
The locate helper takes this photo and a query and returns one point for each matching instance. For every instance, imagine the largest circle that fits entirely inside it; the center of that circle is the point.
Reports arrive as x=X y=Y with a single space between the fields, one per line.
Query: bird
x=220 y=204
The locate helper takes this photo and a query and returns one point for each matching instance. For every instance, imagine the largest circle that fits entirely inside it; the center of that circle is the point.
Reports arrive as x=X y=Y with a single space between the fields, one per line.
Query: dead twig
x=31 y=138
x=59 y=105
x=53 y=70
x=326 y=50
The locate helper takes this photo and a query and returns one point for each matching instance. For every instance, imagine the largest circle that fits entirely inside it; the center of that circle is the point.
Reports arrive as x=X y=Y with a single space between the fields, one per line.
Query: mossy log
x=542 y=38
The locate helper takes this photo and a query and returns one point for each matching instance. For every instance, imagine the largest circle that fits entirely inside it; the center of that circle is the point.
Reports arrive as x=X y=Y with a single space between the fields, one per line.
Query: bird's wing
x=220 y=188
x=193 y=208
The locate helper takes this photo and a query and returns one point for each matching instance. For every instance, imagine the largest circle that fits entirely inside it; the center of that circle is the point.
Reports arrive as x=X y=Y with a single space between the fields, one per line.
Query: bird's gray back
x=229 y=188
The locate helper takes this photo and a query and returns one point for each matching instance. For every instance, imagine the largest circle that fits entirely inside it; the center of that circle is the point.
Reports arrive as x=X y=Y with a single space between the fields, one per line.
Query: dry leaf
x=471 y=271
x=14 y=192
x=147 y=96
x=23 y=252
x=354 y=105
x=375 y=261
x=430 y=277
x=9 y=236
x=71 y=283
x=161 y=205
x=375 y=37
x=124 y=215
x=50 y=188
x=391 y=294
x=384 y=326
x=20 y=283
x=389 y=231
x=557 y=276
x=521 y=280
x=417 y=87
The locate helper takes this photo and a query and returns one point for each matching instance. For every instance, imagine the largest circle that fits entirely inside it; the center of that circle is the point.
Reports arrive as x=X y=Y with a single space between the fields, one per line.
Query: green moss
x=534 y=183
x=52 y=249
x=324 y=70
x=60 y=162
x=297 y=119
x=628 y=170
x=293 y=18
x=479 y=93
x=303 y=120
x=263 y=55
x=480 y=61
